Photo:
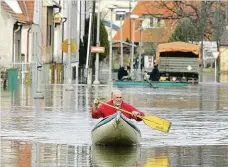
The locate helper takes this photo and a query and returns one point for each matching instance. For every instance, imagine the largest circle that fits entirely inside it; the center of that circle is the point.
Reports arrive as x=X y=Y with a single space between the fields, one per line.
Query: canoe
x=164 y=84
x=116 y=130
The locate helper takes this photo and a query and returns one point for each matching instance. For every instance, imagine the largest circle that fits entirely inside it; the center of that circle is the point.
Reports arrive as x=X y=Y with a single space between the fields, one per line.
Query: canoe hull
x=164 y=84
x=116 y=130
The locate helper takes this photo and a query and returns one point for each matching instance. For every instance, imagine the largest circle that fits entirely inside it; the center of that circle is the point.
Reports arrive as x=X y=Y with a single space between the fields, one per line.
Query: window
x=118 y=16
x=154 y=21
x=49 y=35
x=50 y=26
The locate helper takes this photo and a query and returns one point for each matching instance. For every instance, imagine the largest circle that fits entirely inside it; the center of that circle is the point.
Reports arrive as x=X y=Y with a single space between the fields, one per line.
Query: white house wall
x=58 y=44
x=6 y=38
x=24 y=42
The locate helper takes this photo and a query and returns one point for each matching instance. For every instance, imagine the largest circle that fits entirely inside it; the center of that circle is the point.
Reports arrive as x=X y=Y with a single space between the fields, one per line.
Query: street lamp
x=133 y=17
x=215 y=54
x=96 y=81
x=110 y=45
x=121 y=13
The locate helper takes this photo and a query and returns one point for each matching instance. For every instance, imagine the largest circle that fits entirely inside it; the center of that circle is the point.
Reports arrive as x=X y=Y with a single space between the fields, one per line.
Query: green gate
x=12 y=79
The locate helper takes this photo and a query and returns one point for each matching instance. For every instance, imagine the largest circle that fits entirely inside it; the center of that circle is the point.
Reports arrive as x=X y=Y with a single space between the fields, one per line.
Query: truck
x=179 y=61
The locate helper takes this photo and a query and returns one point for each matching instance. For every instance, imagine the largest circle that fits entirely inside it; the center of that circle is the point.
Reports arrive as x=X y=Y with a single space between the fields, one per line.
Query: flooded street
x=56 y=130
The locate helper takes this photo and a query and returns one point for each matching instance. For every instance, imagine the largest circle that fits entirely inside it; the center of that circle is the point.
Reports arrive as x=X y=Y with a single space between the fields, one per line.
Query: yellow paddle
x=152 y=121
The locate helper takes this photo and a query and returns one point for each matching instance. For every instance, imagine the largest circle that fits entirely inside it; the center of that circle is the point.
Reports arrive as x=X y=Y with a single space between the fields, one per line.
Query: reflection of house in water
x=198 y=156
x=179 y=99
x=25 y=154
x=63 y=155
x=208 y=97
x=213 y=97
x=16 y=153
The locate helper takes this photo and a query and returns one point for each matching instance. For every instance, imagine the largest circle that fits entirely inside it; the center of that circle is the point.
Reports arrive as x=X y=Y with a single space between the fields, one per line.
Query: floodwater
x=56 y=130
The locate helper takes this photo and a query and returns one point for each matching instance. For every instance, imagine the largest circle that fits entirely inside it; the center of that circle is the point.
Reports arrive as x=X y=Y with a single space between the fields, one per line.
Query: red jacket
x=104 y=111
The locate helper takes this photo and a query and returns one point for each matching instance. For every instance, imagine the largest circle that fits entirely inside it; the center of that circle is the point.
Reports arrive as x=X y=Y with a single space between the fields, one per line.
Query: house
x=224 y=57
x=50 y=11
x=17 y=29
x=14 y=30
x=53 y=29
x=154 y=28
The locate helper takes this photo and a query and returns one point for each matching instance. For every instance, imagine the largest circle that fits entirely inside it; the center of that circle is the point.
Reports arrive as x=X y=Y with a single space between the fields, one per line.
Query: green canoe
x=149 y=84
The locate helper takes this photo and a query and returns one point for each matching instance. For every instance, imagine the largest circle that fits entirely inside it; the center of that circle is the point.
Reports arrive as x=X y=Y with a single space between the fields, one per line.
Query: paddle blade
x=157 y=123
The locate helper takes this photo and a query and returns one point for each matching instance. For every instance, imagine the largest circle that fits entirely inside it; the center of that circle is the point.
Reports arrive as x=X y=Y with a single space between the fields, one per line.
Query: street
x=56 y=130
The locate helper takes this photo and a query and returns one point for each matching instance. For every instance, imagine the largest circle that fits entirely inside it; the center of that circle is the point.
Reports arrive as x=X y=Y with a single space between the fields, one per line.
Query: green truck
x=179 y=61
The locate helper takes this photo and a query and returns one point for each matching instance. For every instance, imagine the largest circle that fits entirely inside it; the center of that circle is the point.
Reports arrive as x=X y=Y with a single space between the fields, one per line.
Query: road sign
x=97 y=49
x=215 y=54
x=65 y=46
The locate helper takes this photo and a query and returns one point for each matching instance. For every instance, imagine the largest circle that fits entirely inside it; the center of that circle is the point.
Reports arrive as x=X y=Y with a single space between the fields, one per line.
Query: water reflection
x=27 y=154
x=115 y=156
x=199 y=97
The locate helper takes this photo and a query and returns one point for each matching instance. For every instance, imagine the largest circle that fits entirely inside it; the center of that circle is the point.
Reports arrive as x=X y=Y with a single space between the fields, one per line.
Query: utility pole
x=202 y=25
x=96 y=81
x=88 y=71
x=37 y=48
x=92 y=42
x=69 y=76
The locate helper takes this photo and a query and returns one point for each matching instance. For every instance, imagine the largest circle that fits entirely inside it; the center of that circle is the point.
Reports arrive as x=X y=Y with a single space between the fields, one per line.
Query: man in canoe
x=116 y=101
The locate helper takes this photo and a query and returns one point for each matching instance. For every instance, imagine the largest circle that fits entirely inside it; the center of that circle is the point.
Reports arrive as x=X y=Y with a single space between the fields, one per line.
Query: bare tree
x=200 y=13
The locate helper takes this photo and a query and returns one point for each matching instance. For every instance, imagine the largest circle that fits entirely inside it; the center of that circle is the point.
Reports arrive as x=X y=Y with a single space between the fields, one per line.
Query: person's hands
x=135 y=113
x=96 y=102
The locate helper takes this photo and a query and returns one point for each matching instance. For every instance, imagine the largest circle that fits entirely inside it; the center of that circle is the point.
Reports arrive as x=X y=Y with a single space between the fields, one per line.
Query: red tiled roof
x=156 y=34
x=161 y=34
x=24 y=17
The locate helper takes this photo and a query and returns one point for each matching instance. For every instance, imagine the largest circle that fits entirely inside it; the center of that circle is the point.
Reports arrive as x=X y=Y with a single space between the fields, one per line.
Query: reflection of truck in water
x=179 y=60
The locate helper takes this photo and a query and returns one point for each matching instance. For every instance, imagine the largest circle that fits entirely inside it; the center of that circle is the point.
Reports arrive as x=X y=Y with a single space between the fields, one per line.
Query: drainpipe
x=14 y=41
x=30 y=26
x=28 y=43
x=65 y=19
